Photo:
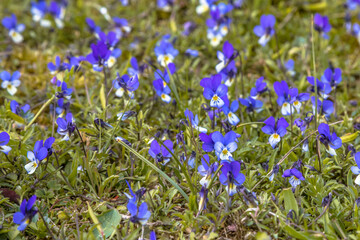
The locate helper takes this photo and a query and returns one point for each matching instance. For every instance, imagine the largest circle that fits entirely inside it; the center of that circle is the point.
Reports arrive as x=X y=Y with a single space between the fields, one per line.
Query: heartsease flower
x=275 y=130
x=26 y=213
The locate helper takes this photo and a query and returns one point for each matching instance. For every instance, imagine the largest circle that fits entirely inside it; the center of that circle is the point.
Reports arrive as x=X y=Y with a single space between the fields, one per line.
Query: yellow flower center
x=215 y=98
x=225 y=151
x=276 y=136
x=163 y=96
x=164 y=84
x=230 y=115
x=296 y=102
x=166 y=59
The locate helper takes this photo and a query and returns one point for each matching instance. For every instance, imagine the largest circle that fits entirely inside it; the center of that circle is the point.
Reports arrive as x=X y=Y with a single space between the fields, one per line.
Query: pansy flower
x=295 y=176
x=39 y=10
x=231 y=176
x=189 y=27
x=203 y=199
x=228 y=73
x=224 y=145
x=208 y=143
x=289 y=99
x=57 y=67
x=356 y=169
x=19 y=110
x=204 y=6
x=10 y=82
x=251 y=104
x=62 y=107
x=330 y=141
x=214 y=90
x=4 y=139
x=303 y=124
x=332 y=77
x=165 y=5
x=206 y=170
x=93 y=28
x=230 y=112
x=325 y=107
x=289 y=66
x=66 y=126
x=138 y=214
x=99 y=55
x=324 y=88
x=39 y=153
x=260 y=87
x=322 y=25
x=57 y=10
x=126 y=84
x=134 y=69
x=194 y=121
x=162 y=90
x=275 y=130
x=266 y=29
x=14 y=29
x=215 y=37
x=121 y=27
x=65 y=92
x=227 y=55
x=191 y=52
x=109 y=39
x=26 y=213
x=165 y=52
x=160 y=153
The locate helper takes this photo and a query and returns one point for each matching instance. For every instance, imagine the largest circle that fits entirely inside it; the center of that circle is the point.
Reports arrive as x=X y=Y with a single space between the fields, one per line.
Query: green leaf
x=15 y=117
x=95 y=220
x=290 y=201
x=349 y=137
x=109 y=221
x=150 y=164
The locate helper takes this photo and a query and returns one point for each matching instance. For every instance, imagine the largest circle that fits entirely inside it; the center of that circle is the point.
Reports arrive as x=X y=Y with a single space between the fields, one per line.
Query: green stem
x=314 y=66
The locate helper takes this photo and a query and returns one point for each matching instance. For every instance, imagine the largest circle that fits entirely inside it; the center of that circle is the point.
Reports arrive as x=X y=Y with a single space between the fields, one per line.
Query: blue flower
x=208 y=143
x=152 y=235
x=356 y=169
x=65 y=92
x=26 y=213
x=165 y=76
x=39 y=10
x=289 y=66
x=276 y=131
x=260 y=87
x=61 y=106
x=19 y=110
x=228 y=73
x=110 y=39
x=289 y=99
x=66 y=126
x=203 y=199
x=332 y=77
x=295 y=176
x=57 y=10
x=10 y=82
x=303 y=124
x=121 y=27
x=165 y=5
x=4 y=139
x=126 y=84
x=266 y=29
x=191 y=52
x=14 y=29
x=330 y=141
x=251 y=104
x=134 y=69
x=325 y=107
x=160 y=153
x=224 y=145
x=162 y=90
x=165 y=52
x=138 y=214
x=194 y=121
x=57 y=67
x=214 y=90
x=324 y=88
x=322 y=25
x=39 y=153
x=231 y=176
x=227 y=55
x=99 y=55
x=230 y=112
x=206 y=170
x=204 y=6
x=93 y=28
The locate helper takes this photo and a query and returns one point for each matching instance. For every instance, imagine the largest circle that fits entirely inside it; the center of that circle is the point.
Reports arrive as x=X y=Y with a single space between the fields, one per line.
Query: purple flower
x=138 y=214
x=165 y=5
x=356 y=169
x=14 y=29
x=231 y=176
x=93 y=28
x=65 y=91
x=289 y=66
x=295 y=176
x=162 y=90
x=57 y=10
x=194 y=121
x=303 y=124
x=330 y=141
x=289 y=99
x=160 y=153
x=26 y=213
x=4 y=139
x=266 y=29
x=39 y=153
x=58 y=66
x=260 y=87
x=227 y=55
x=276 y=131
x=325 y=107
x=251 y=104
x=322 y=25
x=191 y=53
x=10 y=82
x=332 y=77
x=19 y=110
x=228 y=73
x=189 y=27
x=230 y=112
x=214 y=90
x=224 y=145
x=134 y=69
x=152 y=233
x=206 y=170
x=99 y=55
x=165 y=76
x=66 y=126
x=203 y=199
x=126 y=84
x=110 y=39
x=324 y=88
x=165 y=52
x=208 y=143
x=121 y=27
